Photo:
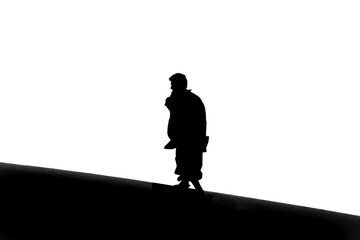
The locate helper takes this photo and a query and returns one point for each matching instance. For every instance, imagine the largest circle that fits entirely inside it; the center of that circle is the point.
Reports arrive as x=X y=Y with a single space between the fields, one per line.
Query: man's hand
x=170 y=145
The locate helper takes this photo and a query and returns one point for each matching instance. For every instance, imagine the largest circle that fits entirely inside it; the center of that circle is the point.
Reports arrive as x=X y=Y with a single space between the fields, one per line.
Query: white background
x=83 y=86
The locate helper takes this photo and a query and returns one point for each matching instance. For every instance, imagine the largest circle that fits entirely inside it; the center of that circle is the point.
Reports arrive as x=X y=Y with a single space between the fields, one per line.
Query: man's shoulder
x=190 y=93
x=194 y=97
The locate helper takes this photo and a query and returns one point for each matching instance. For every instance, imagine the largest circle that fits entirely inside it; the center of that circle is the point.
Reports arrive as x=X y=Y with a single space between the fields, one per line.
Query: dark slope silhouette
x=40 y=203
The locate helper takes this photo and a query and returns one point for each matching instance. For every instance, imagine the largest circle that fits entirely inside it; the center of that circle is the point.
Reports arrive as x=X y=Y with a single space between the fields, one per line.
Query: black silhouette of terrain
x=41 y=203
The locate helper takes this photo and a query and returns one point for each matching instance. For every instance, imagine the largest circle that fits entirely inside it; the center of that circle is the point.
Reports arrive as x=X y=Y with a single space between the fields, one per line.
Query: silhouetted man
x=187 y=131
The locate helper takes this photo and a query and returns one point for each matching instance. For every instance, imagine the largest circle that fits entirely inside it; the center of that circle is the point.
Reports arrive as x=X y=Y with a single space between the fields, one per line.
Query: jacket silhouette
x=186 y=130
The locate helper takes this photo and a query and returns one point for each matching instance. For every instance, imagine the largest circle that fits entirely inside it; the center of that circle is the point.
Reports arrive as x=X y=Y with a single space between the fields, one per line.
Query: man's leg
x=179 y=159
x=197 y=185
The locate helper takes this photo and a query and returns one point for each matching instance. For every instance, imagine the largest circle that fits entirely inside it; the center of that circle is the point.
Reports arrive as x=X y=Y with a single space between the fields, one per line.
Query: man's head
x=178 y=81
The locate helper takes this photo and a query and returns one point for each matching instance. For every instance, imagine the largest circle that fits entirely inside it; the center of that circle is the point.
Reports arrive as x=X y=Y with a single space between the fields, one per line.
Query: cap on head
x=179 y=81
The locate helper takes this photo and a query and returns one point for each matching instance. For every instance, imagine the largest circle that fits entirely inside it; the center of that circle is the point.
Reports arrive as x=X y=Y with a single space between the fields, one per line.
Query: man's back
x=187 y=117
